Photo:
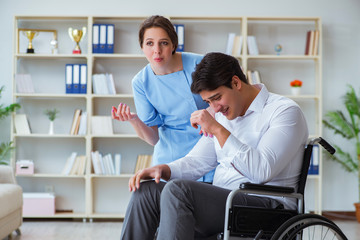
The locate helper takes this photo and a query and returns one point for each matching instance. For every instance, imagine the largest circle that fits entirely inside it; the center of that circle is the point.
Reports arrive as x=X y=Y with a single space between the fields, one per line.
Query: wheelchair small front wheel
x=308 y=227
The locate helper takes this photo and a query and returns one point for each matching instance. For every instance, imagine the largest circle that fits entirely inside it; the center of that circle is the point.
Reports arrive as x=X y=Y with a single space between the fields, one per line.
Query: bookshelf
x=106 y=196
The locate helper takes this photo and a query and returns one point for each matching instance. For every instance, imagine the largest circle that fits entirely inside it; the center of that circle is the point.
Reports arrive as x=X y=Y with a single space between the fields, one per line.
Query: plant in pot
x=51 y=114
x=6 y=147
x=349 y=128
x=296 y=86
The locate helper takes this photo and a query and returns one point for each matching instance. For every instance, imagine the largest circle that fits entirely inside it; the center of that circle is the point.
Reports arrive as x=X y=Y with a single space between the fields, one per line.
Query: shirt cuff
x=175 y=170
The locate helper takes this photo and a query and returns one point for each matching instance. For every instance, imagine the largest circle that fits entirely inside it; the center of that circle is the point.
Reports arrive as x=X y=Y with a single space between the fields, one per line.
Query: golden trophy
x=30 y=35
x=77 y=35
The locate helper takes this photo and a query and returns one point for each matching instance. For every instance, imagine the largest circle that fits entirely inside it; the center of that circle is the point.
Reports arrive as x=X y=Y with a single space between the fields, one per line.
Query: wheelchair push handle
x=323 y=143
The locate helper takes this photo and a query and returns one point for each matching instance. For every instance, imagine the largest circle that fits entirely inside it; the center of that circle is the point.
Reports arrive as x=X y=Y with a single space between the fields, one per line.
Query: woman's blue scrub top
x=166 y=101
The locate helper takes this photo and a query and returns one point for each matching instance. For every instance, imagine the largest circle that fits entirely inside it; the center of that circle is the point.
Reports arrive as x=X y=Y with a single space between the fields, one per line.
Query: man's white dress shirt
x=266 y=145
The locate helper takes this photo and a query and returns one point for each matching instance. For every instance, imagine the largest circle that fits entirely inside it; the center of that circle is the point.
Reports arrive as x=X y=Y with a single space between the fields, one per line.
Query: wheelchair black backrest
x=307 y=159
x=305 y=168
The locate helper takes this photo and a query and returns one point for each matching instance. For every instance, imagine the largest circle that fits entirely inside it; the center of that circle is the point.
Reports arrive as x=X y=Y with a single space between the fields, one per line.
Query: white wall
x=341 y=51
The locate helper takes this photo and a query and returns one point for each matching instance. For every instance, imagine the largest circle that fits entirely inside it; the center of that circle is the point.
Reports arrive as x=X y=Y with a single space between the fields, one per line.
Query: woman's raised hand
x=122 y=113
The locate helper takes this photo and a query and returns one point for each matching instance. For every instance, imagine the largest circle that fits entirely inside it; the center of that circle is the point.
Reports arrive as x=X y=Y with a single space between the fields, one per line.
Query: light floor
x=78 y=230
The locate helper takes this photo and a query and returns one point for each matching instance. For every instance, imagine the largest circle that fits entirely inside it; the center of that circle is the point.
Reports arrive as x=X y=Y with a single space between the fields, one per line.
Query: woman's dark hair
x=161 y=22
x=215 y=70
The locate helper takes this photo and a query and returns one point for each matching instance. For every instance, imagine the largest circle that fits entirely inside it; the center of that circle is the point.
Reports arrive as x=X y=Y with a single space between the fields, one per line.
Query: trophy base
x=30 y=50
x=76 y=51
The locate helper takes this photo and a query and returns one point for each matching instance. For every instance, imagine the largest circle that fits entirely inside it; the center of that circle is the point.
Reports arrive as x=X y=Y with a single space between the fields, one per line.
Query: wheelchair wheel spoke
x=309 y=227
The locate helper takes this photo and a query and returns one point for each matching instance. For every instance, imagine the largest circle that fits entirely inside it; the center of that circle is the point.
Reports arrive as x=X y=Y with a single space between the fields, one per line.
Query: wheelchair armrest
x=266 y=188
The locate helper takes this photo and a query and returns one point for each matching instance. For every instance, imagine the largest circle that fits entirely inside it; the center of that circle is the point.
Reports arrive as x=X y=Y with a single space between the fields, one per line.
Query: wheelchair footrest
x=248 y=221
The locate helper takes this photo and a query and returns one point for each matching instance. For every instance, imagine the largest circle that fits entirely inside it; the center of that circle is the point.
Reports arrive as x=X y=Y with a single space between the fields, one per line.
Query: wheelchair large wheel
x=307 y=227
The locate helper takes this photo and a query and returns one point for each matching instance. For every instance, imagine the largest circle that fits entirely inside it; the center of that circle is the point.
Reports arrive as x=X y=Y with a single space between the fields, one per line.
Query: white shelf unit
x=278 y=70
x=98 y=196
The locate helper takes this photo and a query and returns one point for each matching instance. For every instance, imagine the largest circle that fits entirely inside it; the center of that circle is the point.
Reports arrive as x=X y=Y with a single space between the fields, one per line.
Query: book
x=142 y=162
x=110 y=33
x=95 y=38
x=95 y=83
x=238 y=42
x=103 y=84
x=68 y=78
x=316 y=42
x=105 y=165
x=249 y=77
x=256 y=77
x=307 y=44
x=101 y=162
x=76 y=79
x=96 y=162
x=252 y=45
x=138 y=163
x=117 y=164
x=311 y=43
x=100 y=84
x=81 y=166
x=101 y=125
x=230 y=43
x=69 y=164
x=75 y=123
x=314 y=161
x=180 y=30
x=75 y=166
x=110 y=84
x=109 y=164
x=83 y=78
x=102 y=39
x=24 y=83
x=82 y=124
x=253 y=77
x=21 y=124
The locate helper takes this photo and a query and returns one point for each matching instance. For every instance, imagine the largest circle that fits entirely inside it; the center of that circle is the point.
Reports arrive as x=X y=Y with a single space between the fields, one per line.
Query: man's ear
x=236 y=82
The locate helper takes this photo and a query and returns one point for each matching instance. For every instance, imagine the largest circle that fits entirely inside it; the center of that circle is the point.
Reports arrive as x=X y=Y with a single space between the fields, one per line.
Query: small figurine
x=54 y=44
x=278 y=49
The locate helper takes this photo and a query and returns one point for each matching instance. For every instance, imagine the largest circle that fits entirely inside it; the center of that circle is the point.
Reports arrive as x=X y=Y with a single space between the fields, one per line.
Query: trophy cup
x=76 y=35
x=30 y=35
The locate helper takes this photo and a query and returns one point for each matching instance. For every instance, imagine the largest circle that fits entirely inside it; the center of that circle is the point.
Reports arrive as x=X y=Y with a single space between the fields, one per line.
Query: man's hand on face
x=206 y=121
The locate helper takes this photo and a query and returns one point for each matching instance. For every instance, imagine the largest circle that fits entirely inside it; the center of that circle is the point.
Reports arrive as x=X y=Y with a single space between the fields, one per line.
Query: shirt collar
x=258 y=103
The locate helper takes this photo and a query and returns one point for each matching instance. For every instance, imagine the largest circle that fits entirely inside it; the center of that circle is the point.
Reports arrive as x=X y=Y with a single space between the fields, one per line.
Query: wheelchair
x=279 y=224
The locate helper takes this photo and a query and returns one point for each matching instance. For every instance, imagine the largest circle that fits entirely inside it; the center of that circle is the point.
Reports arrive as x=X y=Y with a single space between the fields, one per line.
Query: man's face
x=224 y=100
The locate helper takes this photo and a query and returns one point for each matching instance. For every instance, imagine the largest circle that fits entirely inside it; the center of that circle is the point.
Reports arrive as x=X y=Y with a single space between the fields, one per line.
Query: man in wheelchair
x=255 y=136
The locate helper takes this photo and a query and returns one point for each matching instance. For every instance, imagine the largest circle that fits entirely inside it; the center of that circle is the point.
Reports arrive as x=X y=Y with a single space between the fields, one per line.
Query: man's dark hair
x=161 y=22
x=215 y=70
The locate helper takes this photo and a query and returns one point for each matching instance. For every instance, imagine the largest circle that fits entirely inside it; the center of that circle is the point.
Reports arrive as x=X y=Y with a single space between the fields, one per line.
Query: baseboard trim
x=339 y=215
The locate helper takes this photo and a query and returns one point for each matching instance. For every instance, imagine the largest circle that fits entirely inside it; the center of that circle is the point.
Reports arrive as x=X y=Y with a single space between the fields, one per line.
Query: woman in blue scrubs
x=162 y=95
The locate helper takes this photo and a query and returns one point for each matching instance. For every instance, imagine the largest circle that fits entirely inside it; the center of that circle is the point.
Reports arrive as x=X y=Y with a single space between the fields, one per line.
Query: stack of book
x=101 y=125
x=76 y=78
x=104 y=165
x=143 y=161
x=75 y=165
x=103 y=38
x=79 y=123
x=234 y=44
x=252 y=45
x=312 y=43
x=253 y=77
x=24 y=83
x=21 y=124
x=103 y=84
